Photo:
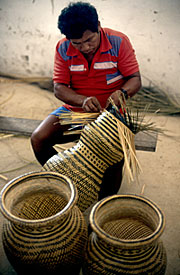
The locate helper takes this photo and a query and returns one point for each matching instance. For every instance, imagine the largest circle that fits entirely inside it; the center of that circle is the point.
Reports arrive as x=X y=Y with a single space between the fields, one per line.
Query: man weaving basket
x=92 y=64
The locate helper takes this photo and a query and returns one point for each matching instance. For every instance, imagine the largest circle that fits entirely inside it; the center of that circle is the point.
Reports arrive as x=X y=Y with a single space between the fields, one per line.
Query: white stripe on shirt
x=114 y=79
x=77 y=68
x=105 y=65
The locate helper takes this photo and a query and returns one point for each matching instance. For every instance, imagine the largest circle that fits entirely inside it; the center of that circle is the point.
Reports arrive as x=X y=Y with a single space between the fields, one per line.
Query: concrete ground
x=159 y=180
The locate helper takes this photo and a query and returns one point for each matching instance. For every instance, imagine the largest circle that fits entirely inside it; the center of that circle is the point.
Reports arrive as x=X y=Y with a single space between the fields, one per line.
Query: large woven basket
x=44 y=231
x=125 y=237
x=85 y=163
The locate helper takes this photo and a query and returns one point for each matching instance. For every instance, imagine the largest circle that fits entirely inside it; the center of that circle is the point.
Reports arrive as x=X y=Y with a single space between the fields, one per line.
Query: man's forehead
x=86 y=35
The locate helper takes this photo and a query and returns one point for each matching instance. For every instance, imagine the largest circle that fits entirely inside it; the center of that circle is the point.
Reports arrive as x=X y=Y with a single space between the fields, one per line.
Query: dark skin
x=50 y=131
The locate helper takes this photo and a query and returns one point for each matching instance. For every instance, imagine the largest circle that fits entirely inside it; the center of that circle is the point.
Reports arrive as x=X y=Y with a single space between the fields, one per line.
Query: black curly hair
x=76 y=18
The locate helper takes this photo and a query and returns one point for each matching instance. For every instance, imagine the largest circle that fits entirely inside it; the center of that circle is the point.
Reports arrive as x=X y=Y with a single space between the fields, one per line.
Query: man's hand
x=115 y=97
x=132 y=86
x=91 y=104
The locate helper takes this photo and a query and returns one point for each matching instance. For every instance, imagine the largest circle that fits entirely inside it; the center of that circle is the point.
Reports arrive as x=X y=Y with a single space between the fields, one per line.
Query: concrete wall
x=28 y=35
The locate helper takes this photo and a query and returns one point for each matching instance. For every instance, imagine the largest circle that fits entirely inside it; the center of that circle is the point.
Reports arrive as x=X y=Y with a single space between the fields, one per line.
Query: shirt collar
x=105 y=45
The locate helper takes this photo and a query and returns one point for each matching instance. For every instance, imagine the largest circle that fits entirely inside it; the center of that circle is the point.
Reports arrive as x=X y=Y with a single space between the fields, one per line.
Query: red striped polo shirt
x=114 y=60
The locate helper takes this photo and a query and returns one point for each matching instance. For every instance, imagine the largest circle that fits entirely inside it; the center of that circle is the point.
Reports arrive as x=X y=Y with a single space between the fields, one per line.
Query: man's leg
x=112 y=180
x=47 y=134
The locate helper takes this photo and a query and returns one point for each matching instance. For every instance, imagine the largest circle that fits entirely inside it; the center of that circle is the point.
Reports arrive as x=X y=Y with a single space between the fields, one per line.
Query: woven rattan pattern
x=85 y=163
x=125 y=237
x=109 y=260
x=127 y=229
x=47 y=249
x=39 y=206
x=35 y=243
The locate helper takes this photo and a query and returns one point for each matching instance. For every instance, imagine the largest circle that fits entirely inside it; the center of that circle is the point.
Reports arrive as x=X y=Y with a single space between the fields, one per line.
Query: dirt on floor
x=159 y=180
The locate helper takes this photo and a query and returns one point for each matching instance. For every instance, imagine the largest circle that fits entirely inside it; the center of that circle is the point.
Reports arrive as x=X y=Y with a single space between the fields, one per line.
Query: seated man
x=91 y=65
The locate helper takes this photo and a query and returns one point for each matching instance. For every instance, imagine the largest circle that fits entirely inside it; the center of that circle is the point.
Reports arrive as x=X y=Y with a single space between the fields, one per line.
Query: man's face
x=88 y=43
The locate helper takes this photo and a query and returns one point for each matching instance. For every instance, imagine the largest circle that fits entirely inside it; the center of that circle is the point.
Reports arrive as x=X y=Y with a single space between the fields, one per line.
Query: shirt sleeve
x=127 y=62
x=61 y=70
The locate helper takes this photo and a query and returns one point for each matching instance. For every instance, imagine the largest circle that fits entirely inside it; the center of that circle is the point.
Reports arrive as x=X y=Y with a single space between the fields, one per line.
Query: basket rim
x=32 y=175
x=122 y=242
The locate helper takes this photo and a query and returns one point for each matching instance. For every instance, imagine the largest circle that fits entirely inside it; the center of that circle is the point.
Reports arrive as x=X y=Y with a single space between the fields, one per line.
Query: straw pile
x=157 y=101
x=77 y=121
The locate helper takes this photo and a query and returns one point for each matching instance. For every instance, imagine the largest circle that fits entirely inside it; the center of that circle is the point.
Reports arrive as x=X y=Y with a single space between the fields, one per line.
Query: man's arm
x=132 y=85
x=69 y=96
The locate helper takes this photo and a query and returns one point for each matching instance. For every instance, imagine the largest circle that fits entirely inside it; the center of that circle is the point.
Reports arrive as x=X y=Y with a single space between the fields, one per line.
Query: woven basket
x=98 y=148
x=44 y=231
x=125 y=237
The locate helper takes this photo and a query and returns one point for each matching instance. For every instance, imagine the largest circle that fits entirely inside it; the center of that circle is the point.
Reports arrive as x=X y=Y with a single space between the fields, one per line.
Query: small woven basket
x=44 y=231
x=125 y=237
